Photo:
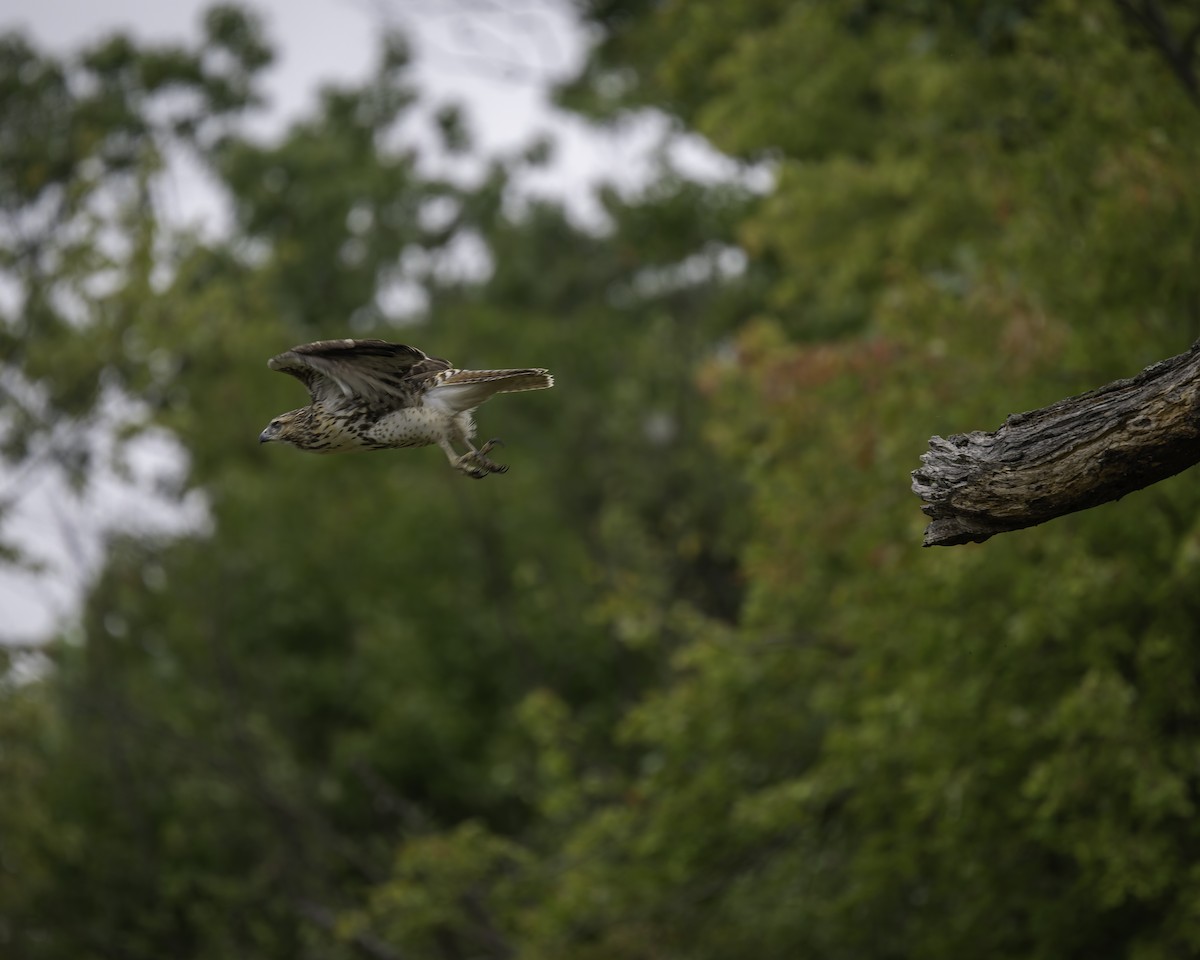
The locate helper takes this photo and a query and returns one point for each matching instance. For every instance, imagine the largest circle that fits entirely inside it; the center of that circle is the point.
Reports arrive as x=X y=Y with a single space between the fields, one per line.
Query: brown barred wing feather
x=371 y=371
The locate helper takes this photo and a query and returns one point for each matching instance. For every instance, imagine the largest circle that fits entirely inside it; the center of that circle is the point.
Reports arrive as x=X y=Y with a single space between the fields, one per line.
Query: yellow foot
x=476 y=463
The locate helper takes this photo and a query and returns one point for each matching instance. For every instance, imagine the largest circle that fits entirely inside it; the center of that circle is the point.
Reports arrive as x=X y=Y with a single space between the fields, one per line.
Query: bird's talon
x=475 y=464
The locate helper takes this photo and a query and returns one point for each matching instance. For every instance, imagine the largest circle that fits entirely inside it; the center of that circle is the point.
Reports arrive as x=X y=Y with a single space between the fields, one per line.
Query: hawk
x=375 y=395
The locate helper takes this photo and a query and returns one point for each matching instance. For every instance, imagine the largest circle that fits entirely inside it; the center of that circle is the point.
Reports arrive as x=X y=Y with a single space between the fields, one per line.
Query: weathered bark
x=1069 y=456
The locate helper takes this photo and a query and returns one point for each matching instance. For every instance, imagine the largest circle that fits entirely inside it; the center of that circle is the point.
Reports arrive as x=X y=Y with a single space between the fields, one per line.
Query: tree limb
x=1179 y=54
x=1072 y=455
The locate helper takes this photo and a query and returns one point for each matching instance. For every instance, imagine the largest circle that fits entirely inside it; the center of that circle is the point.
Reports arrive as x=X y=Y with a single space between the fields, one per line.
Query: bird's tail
x=464 y=389
x=503 y=381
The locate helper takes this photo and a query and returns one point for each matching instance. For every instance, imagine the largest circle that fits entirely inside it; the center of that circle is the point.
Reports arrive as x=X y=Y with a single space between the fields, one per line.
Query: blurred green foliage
x=682 y=684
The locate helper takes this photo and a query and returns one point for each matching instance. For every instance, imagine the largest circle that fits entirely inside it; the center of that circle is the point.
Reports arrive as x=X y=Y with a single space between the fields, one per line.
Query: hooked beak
x=268 y=434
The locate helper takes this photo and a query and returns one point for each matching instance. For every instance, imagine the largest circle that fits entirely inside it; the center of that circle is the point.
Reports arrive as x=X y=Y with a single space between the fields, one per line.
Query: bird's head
x=290 y=427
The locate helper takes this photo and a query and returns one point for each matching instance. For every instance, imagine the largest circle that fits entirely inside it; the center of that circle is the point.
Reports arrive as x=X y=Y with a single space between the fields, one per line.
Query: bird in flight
x=375 y=395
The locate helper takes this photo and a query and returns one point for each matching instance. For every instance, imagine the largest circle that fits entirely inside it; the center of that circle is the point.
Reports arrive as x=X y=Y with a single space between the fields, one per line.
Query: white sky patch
x=438 y=213
x=400 y=301
x=189 y=196
x=466 y=259
x=135 y=487
x=717 y=262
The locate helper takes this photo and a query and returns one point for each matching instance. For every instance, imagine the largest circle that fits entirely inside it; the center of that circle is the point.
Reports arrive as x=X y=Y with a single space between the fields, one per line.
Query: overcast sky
x=497 y=57
x=467 y=46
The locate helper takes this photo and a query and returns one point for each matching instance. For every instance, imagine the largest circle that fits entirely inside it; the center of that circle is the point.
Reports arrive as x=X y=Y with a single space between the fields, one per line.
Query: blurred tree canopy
x=681 y=684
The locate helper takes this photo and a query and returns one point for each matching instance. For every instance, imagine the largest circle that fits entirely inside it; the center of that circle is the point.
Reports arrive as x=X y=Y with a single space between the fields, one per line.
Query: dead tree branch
x=1072 y=455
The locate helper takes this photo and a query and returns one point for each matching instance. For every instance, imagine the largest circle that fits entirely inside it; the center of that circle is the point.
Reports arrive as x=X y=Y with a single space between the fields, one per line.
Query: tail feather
x=464 y=389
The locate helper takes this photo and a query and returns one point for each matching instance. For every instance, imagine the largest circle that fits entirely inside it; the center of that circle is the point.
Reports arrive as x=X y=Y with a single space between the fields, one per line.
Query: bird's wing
x=371 y=370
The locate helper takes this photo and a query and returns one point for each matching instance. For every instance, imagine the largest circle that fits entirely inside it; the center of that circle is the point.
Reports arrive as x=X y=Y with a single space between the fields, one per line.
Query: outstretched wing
x=371 y=370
